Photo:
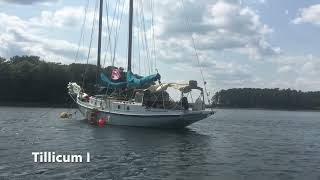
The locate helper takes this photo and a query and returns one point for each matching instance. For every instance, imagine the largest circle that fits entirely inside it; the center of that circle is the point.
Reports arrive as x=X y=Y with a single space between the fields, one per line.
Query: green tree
x=266 y=98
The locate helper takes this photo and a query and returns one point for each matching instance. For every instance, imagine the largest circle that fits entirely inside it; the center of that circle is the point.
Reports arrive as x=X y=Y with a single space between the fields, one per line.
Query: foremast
x=99 y=40
x=130 y=35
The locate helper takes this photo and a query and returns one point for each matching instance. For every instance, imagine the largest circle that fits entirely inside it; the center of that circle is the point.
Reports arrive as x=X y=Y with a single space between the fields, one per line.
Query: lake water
x=235 y=144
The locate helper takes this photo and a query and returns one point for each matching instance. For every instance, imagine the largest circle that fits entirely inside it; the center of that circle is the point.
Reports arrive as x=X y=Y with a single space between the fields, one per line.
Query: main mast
x=130 y=35
x=99 y=39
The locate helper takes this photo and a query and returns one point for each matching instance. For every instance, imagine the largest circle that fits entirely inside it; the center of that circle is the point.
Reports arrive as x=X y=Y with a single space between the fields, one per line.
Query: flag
x=115 y=75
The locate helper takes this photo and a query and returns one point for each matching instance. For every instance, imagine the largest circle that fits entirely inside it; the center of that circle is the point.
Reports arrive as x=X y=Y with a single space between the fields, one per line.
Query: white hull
x=133 y=113
x=164 y=119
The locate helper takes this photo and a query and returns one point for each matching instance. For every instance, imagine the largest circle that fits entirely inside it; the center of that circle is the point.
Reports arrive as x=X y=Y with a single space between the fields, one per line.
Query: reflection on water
x=143 y=152
x=235 y=144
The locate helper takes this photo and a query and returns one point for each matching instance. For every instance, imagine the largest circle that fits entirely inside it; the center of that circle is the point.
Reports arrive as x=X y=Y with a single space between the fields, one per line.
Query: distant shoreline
x=269 y=109
x=45 y=105
x=44 y=85
x=35 y=105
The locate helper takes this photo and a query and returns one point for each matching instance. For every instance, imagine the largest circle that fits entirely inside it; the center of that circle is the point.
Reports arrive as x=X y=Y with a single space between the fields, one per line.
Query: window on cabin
x=138 y=97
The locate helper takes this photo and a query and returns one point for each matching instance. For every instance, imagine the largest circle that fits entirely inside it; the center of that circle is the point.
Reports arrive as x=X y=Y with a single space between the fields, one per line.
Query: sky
x=236 y=43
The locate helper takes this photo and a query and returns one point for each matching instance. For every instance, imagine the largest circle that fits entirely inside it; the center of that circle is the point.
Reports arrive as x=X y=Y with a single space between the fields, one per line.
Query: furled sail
x=105 y=81
x=139 y=81
x=184 y=88
x=133 y=81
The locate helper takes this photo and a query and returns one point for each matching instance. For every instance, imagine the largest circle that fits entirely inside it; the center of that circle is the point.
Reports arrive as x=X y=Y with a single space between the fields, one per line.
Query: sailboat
x=137 y=100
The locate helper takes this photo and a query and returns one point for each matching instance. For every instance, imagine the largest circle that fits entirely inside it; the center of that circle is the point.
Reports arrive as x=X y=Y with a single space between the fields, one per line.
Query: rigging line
x=191 y=98
x=110 y=30
x=108 y=46
x=196 y=53
x=117 y=32
x=142 y=42
x=82 y=30
x=145 y=39
x=138 y=39
x=115 y=16
x=133 y=66
x=141 y=39
x=153 y=36
x=91 y=38
x=149 y=59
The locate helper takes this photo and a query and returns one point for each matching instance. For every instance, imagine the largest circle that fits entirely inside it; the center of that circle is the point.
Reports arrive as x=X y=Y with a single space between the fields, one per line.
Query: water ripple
x=236 y=144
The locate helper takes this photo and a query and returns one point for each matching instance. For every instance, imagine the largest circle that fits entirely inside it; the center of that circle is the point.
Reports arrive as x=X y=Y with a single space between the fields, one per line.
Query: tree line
x=30 y=80
x=266 y=98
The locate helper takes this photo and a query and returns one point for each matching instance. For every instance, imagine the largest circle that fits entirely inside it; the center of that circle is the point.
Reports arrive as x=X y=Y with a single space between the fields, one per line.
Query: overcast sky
x=240 y=43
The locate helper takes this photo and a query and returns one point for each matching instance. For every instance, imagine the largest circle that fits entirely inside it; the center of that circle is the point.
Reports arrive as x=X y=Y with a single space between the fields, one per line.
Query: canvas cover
x=184 y=88
x=133 y=81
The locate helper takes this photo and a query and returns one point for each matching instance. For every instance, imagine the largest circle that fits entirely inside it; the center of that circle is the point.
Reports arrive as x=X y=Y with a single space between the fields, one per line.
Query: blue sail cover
x=133 y=81
x=138 y=81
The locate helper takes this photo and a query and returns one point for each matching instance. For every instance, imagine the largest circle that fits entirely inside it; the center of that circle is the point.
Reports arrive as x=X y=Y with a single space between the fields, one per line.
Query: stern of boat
x=192 y=117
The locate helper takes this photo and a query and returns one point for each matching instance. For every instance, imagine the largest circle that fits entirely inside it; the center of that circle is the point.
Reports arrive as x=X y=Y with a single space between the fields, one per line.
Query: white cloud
x=299 y=72
x=285 y=69
x=286 y=12
x=70 y=17
x=309 y=15
x=30 y=36
x=21 y=37
x=7 y=21
x=28 y=2
x=263 y=1
x=215 y=26
x=67 y=16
